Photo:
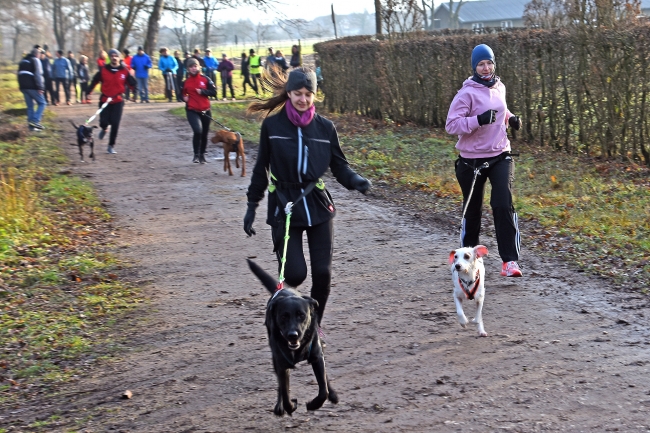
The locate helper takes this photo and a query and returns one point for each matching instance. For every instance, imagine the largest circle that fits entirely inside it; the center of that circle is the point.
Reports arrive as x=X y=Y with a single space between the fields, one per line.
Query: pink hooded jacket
x=476 y=141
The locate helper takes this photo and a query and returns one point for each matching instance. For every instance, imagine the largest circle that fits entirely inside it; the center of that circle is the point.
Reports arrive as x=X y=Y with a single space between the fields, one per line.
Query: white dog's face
x=466 y=260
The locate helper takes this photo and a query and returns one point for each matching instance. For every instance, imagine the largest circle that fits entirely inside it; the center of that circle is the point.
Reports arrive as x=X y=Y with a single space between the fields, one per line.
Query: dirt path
x=564 y=353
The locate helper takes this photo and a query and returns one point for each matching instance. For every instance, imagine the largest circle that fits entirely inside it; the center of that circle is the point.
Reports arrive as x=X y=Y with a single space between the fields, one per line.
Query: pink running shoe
x=510 y=269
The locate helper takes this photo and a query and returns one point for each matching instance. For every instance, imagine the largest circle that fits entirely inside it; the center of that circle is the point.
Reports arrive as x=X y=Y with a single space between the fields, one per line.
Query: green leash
x=287 y=211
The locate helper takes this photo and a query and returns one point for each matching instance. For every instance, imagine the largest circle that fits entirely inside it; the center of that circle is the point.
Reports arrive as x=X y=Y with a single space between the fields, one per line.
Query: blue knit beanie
x=481 y=52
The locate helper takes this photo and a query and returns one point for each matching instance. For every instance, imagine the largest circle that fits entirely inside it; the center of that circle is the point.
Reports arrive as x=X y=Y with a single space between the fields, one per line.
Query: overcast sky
x=306 y=9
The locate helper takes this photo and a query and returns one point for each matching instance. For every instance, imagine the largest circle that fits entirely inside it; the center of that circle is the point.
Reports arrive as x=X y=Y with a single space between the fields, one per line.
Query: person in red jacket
x=127 y=62
x=113 y=76
x=196 y=92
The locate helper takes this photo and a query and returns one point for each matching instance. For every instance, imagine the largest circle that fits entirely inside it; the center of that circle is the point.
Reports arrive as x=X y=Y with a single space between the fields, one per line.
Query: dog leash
x=287 y=211
x=217 y=122
x=104 y=105
x=477 y=171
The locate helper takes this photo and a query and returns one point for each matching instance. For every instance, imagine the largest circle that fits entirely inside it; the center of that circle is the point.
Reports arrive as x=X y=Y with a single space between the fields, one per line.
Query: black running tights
x=320 y=242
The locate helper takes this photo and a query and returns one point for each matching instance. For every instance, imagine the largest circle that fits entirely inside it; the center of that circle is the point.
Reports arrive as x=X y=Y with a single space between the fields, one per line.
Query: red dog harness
x=469 y=293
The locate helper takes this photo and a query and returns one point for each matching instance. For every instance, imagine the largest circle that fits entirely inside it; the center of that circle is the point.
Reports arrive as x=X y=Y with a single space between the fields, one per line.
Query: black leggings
x=257 y=82
x=111 y=115
x=320 y=241
x=201 y=126
x=501 y=175
x=227 y=82
x=247 y=80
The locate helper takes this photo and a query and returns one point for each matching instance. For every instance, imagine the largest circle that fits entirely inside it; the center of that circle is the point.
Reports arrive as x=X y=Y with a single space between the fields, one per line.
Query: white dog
x=468 y=274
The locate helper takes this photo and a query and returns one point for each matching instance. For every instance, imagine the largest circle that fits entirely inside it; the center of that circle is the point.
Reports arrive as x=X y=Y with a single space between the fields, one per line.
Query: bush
x=578 y=89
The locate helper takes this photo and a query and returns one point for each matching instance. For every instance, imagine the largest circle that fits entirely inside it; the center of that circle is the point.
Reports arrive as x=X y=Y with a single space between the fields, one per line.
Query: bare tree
x=401 y=16
x=21 y=20
x=125 y=19
x=454 y=15
x=294 y=27
x=153 y=26
x=589 y=13
x=546 y=14
x=427 y=16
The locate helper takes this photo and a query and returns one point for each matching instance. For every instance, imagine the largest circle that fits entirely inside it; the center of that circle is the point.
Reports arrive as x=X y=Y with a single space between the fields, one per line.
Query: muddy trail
x=565 y=352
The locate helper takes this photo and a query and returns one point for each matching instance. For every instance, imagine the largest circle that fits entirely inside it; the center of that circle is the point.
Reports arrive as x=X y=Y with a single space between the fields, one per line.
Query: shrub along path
x=565 y=351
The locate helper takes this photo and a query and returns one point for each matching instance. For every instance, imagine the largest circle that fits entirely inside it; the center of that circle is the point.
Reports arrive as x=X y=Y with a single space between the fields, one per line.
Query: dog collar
x=469 y=293
x=278 y=289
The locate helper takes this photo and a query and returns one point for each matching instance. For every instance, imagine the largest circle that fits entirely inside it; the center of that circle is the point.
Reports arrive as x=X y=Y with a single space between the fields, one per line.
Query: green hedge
x=577 y=89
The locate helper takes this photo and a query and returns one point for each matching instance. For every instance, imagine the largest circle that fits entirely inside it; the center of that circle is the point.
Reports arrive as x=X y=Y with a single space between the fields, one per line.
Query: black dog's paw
x=279 y=409
x=333 y=396
x=315 y=404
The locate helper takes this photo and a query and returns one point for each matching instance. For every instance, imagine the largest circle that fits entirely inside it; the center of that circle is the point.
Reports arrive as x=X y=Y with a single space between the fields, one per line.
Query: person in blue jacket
x=141 y=63
x=62 y=72
x=168 y=66
x=211 y=65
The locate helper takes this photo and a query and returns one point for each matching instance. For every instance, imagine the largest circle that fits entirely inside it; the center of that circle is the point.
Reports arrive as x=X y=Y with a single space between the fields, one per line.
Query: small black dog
x=292 y=325
x=85 y=137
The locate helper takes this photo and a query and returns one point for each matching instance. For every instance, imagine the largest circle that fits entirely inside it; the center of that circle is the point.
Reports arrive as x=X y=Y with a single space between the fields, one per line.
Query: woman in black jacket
x=297 y=146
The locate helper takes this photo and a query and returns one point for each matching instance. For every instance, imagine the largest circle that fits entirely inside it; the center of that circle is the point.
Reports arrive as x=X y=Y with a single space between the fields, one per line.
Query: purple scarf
x=299 y=119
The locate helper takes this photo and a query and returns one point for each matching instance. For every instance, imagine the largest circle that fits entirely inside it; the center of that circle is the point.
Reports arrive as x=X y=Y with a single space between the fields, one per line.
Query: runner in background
x=114 y=76
x=196 y=92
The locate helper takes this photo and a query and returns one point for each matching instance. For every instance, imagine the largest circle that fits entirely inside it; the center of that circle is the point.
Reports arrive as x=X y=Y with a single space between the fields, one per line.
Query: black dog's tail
x=75 y=126
x=269 y=282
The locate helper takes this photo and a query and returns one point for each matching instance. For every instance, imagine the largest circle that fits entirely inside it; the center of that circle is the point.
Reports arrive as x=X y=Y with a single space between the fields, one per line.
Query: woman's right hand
x=490 y=116
x=249 y=218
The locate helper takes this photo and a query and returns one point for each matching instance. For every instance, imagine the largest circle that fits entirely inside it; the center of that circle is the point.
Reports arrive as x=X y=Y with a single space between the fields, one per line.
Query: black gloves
x=488 y=117
x=359 y=183
x=249 y=218
x=514 y=122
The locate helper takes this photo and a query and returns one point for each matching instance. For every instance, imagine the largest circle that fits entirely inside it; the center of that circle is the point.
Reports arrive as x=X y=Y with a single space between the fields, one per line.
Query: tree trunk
x=59 y=25
x=206 y=27
x=378 y=17
x=128 y=23
x=153 y=26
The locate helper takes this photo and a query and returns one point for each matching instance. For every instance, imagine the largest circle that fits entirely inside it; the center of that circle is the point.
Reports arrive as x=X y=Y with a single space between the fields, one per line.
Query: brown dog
x=231 y=142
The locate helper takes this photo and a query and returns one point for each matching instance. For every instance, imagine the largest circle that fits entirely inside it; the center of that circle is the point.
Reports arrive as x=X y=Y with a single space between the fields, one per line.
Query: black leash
x=477 y=171
x=216 y=121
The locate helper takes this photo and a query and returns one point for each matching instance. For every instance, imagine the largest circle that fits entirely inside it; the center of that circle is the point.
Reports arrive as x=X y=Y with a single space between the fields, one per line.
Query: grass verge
x=594 y=213
x=60 y=290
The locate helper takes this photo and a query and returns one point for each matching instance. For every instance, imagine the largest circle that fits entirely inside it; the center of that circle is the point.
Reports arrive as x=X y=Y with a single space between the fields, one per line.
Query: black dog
x=85 y=137
x=292 y=325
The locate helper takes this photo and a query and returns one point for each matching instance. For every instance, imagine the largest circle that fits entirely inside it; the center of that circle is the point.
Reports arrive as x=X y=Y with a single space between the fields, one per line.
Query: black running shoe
x=196 y=159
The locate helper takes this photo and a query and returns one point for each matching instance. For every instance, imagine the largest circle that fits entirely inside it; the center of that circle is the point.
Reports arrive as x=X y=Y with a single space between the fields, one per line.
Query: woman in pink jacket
x=479 y=116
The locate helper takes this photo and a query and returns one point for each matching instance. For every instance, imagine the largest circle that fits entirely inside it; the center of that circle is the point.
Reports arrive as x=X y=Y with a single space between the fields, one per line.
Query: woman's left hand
x=360 y=183
x=514 y=122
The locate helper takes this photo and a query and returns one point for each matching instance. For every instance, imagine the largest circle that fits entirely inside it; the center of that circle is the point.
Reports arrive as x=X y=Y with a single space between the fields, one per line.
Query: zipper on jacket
x=303 y=163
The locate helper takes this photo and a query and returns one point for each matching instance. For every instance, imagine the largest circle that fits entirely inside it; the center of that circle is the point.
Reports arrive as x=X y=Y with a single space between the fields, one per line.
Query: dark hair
x=243 y=55
x=126 y=52
x=276 y=79
x=60 y=52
